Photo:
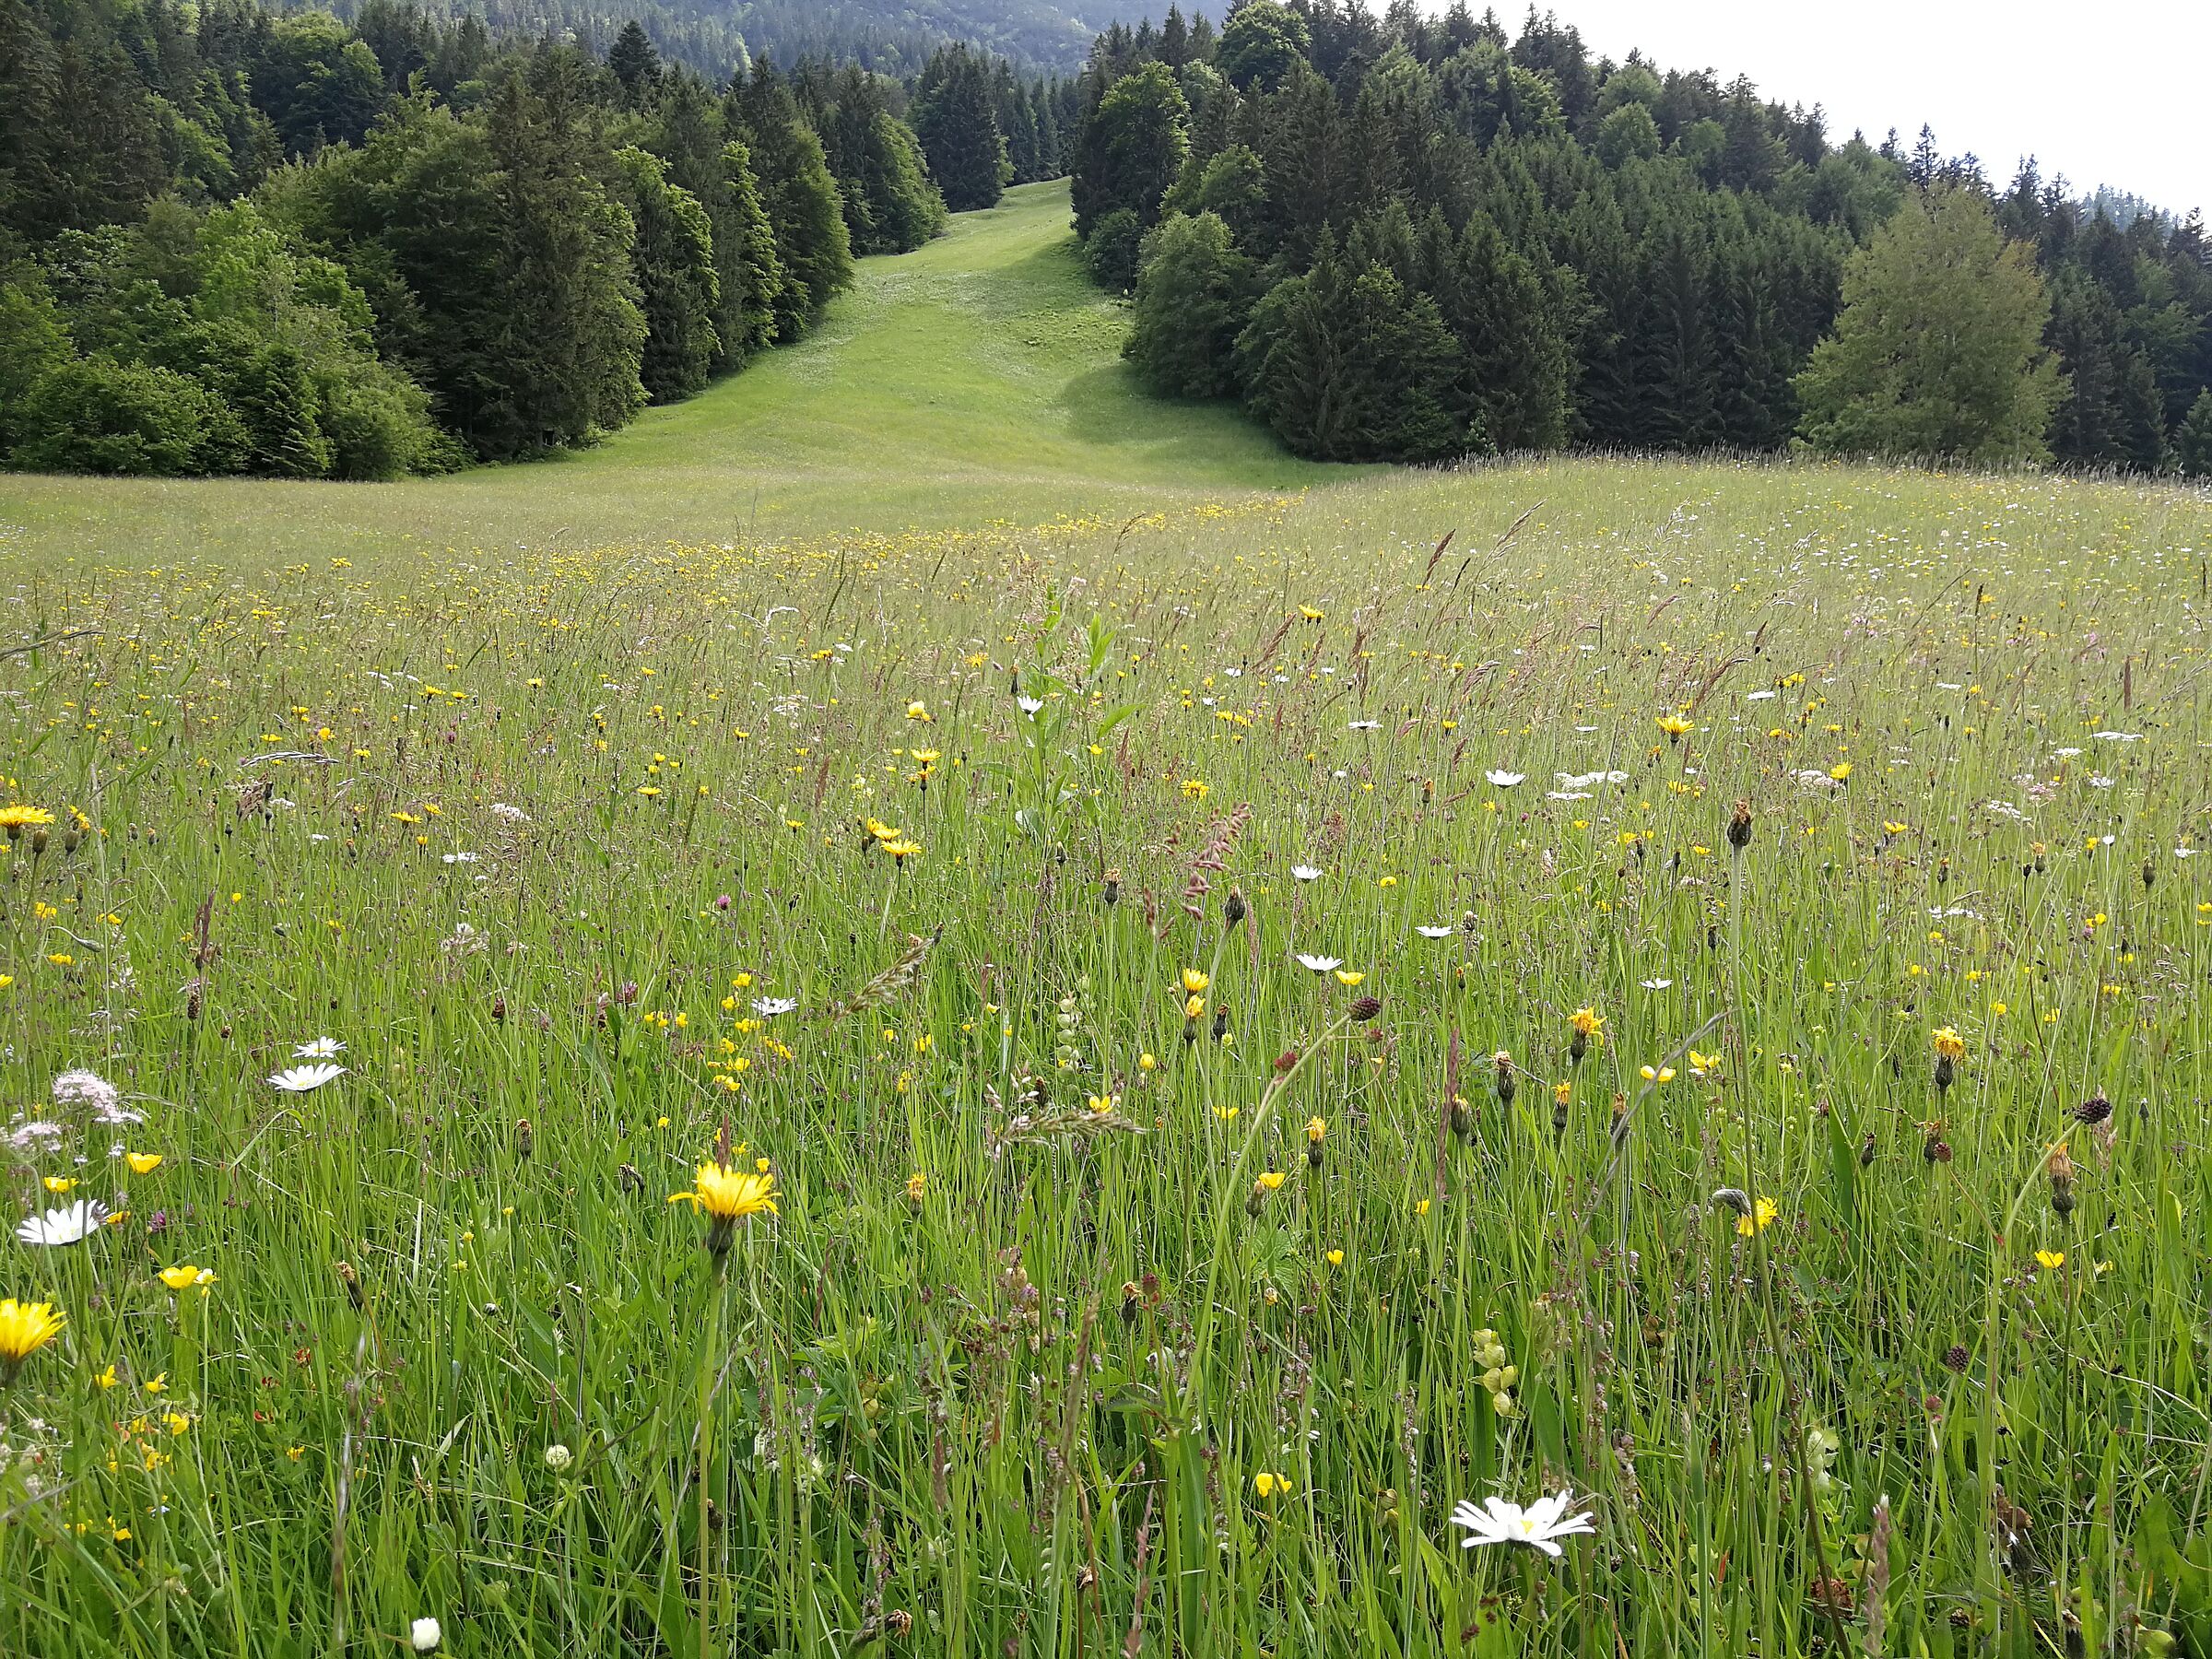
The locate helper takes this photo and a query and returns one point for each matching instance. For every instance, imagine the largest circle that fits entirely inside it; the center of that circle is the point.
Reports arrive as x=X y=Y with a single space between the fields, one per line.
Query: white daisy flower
x=1655 y=984
x=1362 y=725
x=1540 y=1526
x=768 y=1007
x=66 y=1225
x=1028 y=705
x=1319 y=964
x=301 y=1079
x=1502 y=779
x=1433 y=933
x=321 y=1048
x=1304 y=873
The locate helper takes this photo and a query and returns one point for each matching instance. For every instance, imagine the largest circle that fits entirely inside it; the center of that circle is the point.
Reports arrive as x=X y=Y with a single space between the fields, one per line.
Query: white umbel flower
x=321 y=1048
x=424 y=1635
x=68 y=1225
x=302 y=1079
x=1540 y=1526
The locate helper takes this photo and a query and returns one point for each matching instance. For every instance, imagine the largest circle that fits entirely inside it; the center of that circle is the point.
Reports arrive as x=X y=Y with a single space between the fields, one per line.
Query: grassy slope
x=979 y=378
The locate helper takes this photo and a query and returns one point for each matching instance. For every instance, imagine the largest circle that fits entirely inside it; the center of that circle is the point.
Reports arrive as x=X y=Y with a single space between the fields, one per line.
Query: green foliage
x=679 y=290
x=95 y=415
x=1628 y=134
x=2193 y=446
x=956 y=118
x=1194 y=298
x=1261 y=43
x=34 y=337
x=814 y=249
x=1938 y=346
x=1114 y=251
x=1344 y=364
x=1133 y=147
x=316 y=82
x=890 y=204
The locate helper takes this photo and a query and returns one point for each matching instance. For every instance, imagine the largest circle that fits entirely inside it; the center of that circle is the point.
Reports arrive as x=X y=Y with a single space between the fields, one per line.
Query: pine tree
x=1939 y=347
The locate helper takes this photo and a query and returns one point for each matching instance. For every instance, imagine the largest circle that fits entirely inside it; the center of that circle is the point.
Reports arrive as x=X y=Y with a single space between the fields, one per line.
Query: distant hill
x=895 y=36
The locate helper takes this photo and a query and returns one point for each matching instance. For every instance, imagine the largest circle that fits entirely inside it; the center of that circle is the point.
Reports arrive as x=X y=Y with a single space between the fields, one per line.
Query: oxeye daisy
x=304 y=1079
x=69 y=1224
x=1540 y=1526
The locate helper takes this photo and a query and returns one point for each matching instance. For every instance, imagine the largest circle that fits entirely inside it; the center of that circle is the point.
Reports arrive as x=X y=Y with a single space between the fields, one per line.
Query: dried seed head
x=524 y=1140
x=1233 y=912
x=1739 y=825
x=351 y=1280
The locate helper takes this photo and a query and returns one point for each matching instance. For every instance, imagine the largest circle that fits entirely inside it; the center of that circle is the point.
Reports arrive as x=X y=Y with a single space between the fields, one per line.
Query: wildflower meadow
x=1576 y=1058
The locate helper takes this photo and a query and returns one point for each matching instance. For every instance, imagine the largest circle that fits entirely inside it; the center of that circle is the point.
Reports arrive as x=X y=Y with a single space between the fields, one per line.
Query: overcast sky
x=2107 y=93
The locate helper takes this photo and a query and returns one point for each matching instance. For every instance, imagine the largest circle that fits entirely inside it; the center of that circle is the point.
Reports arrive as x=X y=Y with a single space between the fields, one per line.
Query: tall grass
x=531 y=832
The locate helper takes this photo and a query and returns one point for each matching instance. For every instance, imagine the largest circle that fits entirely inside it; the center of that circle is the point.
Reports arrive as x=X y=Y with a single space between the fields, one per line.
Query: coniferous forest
x=236 y=242
x=1408 y=237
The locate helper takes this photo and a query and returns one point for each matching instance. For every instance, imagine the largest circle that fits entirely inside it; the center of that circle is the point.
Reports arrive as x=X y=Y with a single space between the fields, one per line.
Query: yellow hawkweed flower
x=1194 y=1007
x=1674 y=725
x=1316 y=1128
x=729 y=1196
x=16 y=819
x=1948 y=1043
x=917 y=1185
x=1763 y=1212
x=1586 y=1022
x=1194 y=979
x=25 y=1328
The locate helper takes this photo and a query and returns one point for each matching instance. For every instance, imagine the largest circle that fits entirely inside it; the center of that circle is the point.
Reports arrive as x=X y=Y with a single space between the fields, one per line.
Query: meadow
x=1071 y=1072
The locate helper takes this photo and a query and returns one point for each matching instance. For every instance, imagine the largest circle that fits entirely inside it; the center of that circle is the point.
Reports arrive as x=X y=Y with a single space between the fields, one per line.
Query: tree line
x=1408 y=237
x=238 y=243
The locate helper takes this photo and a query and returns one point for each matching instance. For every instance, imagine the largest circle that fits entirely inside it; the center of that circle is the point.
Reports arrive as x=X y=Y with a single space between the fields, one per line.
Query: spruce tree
x=679 y=289
x=956 y=118
x=814 y=251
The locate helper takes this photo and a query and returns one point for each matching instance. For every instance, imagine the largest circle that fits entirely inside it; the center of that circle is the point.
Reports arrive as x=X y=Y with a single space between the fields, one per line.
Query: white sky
x=2107 y=93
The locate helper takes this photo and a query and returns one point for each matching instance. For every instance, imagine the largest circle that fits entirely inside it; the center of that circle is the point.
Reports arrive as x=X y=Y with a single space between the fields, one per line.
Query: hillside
x=979 y=378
